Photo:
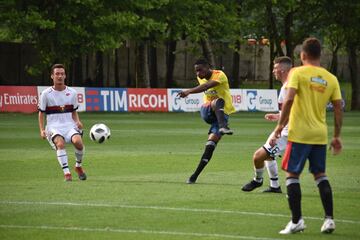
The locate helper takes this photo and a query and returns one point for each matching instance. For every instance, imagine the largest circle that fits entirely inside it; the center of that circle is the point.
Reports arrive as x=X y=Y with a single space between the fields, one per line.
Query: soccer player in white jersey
x=59 y=104
x=266 y=155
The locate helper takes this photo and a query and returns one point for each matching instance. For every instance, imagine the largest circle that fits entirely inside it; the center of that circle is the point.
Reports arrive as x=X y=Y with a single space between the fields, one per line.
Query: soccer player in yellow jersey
x=310 y=88
x=215 y=111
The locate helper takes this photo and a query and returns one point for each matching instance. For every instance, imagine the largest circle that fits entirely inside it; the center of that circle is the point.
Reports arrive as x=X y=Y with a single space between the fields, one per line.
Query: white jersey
x=281 y=100
x=58 y=106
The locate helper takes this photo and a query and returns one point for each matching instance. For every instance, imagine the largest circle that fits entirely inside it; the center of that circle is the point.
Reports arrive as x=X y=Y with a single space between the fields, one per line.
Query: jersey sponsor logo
x=318 y=80
x=147 y=99
x=106 y=99
x=251 y=96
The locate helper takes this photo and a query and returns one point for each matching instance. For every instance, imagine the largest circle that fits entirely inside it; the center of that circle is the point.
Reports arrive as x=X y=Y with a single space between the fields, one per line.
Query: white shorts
x=66 y=133
x=278 y=149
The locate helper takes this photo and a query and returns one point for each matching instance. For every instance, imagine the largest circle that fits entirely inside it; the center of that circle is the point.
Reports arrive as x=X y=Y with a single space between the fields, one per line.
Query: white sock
x=79 y=156
x=259 y=174
x=63 y=160
x=272 y=169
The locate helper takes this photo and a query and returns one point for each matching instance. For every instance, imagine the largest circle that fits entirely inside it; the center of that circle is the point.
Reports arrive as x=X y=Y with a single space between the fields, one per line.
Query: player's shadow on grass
x=144 y=181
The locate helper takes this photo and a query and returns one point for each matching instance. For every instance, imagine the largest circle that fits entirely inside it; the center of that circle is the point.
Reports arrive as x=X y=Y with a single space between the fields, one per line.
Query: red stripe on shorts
x=285 y=160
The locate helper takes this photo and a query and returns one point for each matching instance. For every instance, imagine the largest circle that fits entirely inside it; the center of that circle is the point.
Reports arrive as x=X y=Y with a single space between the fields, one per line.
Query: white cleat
x=294 y=227
x=328 y=226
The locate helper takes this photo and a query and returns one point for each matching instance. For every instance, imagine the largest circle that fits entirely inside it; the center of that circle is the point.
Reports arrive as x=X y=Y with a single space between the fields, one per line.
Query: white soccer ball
x=100 y=133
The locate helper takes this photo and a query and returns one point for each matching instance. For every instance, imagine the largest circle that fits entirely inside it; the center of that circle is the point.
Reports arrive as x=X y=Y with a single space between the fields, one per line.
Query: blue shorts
x=208 y=115
x=296 y=155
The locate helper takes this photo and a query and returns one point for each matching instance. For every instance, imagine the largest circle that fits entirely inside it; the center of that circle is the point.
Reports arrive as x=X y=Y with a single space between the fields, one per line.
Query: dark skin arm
x=336 y=144
x=199 y=88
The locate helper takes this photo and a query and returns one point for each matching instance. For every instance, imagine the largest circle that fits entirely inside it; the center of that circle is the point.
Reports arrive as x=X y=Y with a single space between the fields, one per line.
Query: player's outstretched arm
x=199 y=88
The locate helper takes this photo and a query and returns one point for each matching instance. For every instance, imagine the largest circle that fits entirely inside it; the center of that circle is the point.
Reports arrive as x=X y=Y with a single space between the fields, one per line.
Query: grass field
x=136 y=183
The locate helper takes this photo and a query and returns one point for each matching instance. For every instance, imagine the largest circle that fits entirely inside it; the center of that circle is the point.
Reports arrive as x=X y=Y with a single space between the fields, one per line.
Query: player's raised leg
x=218 y=107
x=79 y=152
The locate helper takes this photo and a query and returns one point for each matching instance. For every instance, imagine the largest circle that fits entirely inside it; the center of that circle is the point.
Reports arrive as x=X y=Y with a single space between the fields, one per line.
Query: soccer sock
x=63 y=160
x=79 y=156
x=325 y=195
x=272 y=169
x=209 y=149
x=294 y=198
x=258 y=174
x=219 y=112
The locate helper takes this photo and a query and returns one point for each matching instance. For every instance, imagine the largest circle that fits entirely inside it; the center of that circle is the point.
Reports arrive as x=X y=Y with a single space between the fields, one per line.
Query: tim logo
x=176 y=101
x=251 y=100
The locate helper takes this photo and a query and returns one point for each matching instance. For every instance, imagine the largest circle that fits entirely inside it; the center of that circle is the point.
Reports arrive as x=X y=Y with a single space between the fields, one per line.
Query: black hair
x=202 y=61
x=57 y=65
x=312 y=48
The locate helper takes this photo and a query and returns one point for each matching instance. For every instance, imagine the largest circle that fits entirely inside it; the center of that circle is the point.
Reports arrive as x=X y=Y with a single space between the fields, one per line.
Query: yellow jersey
x=315 y=87
x=220 y=91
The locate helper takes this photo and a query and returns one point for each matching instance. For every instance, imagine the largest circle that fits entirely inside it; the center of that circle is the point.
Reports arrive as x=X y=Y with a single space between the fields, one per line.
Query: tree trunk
x=208 y=52
x=117 y=67
x=99 y=79
x=288 y=22
x=355 y=98
x=271 y=67
x=235 y=83
x=334 y=60
x=77 y=72
x=272 y=28
x=153 y=67
x=142 y=66
x=170 y=63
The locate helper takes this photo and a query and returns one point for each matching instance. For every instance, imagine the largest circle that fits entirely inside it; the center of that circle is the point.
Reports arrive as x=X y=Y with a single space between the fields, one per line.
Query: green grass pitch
x=136 y=182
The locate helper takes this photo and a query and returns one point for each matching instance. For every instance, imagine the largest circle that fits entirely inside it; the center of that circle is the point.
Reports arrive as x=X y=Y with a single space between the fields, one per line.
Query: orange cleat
x=81 y=173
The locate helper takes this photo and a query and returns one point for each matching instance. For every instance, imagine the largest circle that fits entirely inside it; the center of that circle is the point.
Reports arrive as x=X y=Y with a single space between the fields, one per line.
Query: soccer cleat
x=294 y=227
x=226 y=130
x=272 y=190
x=328 y=226
x=68 y=177
x=191 y=180
x=251 y=185
x=81 y=173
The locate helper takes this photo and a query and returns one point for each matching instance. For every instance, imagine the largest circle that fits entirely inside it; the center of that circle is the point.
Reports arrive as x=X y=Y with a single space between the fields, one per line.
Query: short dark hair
x=312 y=48
x=202 y=61
x=284 y=60
x=57 y=65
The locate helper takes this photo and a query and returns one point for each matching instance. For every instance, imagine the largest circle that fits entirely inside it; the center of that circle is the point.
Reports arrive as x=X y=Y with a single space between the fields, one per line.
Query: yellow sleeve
x=336 y=95
x=293 y=81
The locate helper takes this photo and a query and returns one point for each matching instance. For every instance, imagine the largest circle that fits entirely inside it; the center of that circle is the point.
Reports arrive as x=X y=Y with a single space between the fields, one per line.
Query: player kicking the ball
x=63 y=125
x=266 y=155
x=215 y=111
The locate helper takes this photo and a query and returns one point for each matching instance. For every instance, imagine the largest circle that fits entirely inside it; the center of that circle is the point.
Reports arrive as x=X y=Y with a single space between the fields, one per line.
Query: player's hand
x=183 y=94
x=42 y=134
x=276 y=135
x=79 y=125
x=272 y=117
x=336 y=146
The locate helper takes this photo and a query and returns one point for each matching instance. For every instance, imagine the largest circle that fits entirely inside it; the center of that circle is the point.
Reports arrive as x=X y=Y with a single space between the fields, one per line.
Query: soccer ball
x=99 y=133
